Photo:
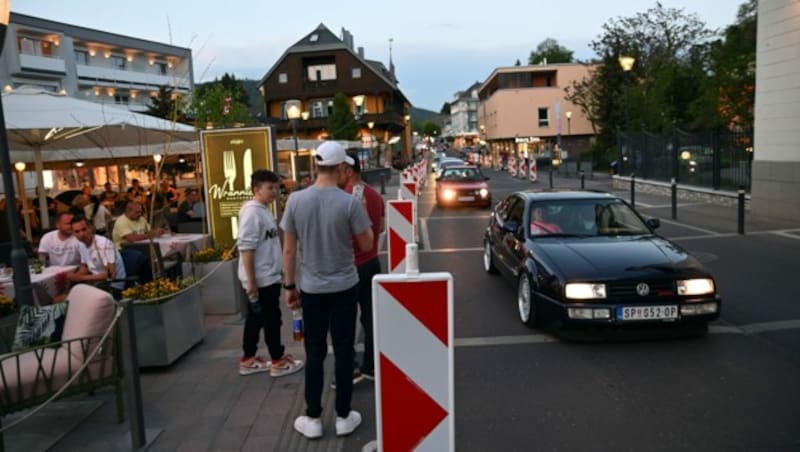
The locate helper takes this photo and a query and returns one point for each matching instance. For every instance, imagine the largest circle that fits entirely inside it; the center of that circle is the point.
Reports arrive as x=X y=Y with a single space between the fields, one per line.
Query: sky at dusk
x=438 y=48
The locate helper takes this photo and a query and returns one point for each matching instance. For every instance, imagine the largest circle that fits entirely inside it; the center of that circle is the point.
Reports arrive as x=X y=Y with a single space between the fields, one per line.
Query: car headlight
x=484 y=192
x=585 y=291
x=449 y=194
x=699 y=286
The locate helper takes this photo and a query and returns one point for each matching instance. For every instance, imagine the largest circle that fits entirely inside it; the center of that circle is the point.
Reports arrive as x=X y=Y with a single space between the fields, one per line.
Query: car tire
x=526 y=302
x=488 y=258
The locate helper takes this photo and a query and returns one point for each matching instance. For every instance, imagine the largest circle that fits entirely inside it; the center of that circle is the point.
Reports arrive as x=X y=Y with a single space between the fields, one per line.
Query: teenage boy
x=260 y=265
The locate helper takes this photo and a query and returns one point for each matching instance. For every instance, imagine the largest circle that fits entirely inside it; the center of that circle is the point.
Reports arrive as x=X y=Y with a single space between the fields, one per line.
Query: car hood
x=462 y=184
x=614 y=258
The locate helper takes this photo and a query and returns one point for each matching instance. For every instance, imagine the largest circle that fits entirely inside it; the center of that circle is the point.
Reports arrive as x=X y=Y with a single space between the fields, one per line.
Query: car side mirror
x=654 y=223
x=510 y=226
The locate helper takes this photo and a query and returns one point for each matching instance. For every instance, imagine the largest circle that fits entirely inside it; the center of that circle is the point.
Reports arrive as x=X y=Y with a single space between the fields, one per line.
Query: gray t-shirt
x=324 y=220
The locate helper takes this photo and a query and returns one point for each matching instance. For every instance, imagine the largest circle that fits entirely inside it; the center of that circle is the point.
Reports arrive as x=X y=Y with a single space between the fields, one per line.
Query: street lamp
x=19 y=260
x=569 y=125
x=293 y=112
x=359 y=102
x=626 y=63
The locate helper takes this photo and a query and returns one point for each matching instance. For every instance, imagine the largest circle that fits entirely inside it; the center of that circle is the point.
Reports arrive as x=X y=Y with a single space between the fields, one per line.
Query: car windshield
x=462 y=174
x=584 y=218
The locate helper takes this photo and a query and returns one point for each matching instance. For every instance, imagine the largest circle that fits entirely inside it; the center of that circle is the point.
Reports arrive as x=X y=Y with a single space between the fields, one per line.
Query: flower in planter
x=214 y=254
x=7 y=305
x=157 y=289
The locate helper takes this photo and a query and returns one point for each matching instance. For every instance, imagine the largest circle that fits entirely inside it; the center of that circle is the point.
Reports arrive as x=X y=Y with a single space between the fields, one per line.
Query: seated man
x=100 y=259
x=132 y=227
x=539 y=225
x=186 y=210
x=60 y=247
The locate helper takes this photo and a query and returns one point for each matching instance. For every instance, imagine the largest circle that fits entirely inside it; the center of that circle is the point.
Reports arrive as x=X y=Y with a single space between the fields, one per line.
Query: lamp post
x=569 y=125
x=626 y=63
x=293 y=112
x=19 y=260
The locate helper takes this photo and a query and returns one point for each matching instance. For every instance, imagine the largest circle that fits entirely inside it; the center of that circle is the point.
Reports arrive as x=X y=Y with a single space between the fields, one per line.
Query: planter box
x=164 y=332
x=8 y=328
x=220 y=289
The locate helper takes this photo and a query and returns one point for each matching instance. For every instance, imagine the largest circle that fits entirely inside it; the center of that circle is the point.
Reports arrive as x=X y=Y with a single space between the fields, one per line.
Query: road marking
x=664 y=206
x=786 y=234
x=504 y=340
x=698 y=237
x=453 y=217
x=426 y=240
x=688 y=226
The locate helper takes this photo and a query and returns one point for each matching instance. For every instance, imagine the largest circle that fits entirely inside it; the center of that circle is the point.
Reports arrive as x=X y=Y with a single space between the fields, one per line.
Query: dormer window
x=314 y=37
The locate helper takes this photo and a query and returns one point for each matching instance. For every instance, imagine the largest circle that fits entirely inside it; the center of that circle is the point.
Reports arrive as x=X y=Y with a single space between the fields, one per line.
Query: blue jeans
x=338 y=311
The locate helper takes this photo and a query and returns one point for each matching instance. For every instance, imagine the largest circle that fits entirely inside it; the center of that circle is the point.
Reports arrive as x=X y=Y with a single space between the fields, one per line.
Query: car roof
x=461 y=166
x=564 y=194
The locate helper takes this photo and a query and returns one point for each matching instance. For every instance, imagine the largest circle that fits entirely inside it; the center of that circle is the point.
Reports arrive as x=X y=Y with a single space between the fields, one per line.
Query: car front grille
x=626 y=290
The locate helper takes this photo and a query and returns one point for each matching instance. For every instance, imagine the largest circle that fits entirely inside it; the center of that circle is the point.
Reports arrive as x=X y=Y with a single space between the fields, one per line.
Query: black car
x=587 y=258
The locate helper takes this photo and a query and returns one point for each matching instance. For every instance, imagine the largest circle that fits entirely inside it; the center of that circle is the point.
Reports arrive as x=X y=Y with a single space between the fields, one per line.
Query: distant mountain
x=419 y=115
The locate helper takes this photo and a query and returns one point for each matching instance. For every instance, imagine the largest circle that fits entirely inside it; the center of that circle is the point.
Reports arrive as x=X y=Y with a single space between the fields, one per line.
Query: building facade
x=91 y=64
x=776 y=159
x=464 y=124
x=524 y=112
x=314 y=70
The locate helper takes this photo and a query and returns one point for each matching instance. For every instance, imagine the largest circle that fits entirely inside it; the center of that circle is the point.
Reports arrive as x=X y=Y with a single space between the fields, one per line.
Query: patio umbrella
x=39 y=120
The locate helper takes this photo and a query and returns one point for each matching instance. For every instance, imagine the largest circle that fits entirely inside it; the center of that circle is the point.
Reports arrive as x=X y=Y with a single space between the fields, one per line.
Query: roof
x=322 y=39
x=563 y=194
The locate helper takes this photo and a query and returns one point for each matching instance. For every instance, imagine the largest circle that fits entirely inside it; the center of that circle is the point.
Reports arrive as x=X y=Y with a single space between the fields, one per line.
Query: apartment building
x=91 y=64
x=463 y=125
x=307 y=77
x=524 y=111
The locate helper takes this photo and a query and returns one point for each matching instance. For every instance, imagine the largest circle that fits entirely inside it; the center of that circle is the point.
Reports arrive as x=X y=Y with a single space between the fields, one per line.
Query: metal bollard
x=633 y=190
x=133 y=390
x=383 y=184
x=741 y=210
x=551 y=175
x=583 y=180
x=674 y=189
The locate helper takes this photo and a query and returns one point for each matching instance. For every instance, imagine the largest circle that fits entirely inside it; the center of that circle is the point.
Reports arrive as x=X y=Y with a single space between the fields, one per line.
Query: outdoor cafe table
x=43 y=284
x=183 y=243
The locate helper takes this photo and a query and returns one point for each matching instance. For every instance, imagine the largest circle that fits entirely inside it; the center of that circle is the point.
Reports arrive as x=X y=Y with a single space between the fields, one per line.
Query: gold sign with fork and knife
x=229 y=158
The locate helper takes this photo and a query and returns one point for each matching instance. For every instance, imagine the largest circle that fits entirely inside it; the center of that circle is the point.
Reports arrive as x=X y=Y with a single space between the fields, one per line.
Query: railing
x=718 y=159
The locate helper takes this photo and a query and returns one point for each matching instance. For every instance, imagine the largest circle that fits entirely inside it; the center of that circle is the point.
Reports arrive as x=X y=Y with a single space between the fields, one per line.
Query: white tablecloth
x=43 y=284
x=185 y=244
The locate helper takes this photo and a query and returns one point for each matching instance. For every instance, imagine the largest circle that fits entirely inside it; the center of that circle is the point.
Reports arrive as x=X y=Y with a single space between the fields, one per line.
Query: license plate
x=466 y=198
x=669 y=312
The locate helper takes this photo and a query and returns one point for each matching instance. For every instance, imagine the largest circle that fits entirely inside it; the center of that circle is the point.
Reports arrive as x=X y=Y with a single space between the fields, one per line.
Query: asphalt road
x=735 y=389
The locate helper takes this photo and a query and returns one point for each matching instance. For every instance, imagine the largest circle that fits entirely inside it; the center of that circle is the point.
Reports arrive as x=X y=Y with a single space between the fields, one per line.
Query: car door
x=511 y=237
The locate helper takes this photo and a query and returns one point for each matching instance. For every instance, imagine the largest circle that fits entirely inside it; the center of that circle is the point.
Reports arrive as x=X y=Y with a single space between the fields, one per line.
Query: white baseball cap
x=331 y=153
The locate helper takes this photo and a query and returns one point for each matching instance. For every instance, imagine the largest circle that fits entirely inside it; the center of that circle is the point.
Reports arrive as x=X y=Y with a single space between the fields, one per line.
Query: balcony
x=42 y=64
x=138 y=78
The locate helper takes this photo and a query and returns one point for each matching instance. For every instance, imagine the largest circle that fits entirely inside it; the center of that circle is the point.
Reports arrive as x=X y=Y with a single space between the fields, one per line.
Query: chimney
x=361 y=52
x=347 y=37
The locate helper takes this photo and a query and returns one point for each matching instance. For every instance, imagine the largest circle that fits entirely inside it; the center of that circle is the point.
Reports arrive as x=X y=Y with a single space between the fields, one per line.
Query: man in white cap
x=323 y=220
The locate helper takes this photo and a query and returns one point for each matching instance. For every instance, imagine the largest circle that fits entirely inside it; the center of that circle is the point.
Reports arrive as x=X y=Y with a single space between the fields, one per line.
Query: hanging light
x=19 y=166
x=79 y=163
x=157 y=158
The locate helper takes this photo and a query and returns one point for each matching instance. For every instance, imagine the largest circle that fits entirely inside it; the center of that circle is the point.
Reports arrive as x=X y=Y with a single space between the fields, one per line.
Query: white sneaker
x=310 y=427
x=285 y=366
x=346 y=425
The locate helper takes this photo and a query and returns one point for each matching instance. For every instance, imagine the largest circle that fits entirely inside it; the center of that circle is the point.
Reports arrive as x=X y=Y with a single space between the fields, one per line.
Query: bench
x=30 y=377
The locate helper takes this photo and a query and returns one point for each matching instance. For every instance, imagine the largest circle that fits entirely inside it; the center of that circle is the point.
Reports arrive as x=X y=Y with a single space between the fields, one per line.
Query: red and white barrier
x=523 y=169
x=512 y=166
x=533 y=171
x=414 y=397
x=400 y=232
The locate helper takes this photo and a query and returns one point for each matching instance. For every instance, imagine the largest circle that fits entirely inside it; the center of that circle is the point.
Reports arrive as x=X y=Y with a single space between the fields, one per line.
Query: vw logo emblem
x=642 y=289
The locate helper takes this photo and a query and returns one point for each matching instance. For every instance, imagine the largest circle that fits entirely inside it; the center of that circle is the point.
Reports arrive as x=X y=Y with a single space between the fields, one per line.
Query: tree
x=231 y=85
x=664 y=81
x=166 y=104
x=341 y=122
x=445 y=109
x=216 y=104
x=549 y=51
x=430 y=129
x=518 y=63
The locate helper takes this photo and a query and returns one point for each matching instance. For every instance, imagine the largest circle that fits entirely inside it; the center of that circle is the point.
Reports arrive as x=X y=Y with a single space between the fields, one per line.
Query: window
x=314 y=37
x=81 y=57
x=118 y=62
x=282 y=77
x=321 y=108
x=356 y=72
x=34 y=46
x=543 y=120
x=121 y=99
x=319 y=72
x=162 y=67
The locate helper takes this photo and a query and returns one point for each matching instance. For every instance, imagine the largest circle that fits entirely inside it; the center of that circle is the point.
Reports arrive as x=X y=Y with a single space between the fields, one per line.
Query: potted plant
x=169 y=320
x=8 y=321
x=215 y=268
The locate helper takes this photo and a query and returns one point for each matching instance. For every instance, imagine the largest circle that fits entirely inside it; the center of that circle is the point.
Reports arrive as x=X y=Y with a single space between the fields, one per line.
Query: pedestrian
x=260 y=263
x=367 y=262
x=323 y=220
